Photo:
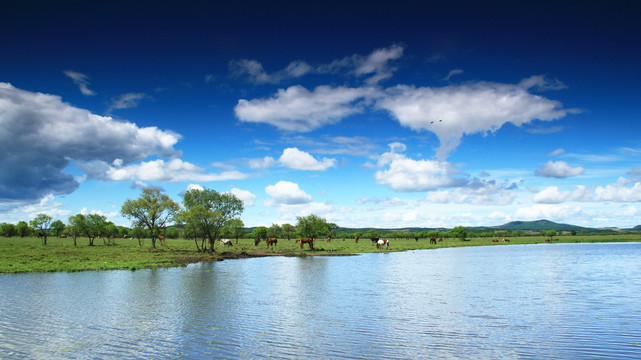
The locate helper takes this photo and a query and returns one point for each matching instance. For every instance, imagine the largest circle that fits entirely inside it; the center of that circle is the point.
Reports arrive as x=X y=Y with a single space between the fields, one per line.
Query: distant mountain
x=540 y=225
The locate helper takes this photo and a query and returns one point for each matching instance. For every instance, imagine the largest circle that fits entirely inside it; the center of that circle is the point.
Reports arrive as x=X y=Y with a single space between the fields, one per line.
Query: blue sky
x=391 y=114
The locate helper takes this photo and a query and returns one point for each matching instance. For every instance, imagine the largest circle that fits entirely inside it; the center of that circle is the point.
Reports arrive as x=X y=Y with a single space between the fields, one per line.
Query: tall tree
x=151 y=210
x=288 y=230
x=311 y=226
x=23 y=229
x=42 y=224
x=236 y=228
x=57 y=227
x=94 y=226
x=208 y=211
x=75 y=227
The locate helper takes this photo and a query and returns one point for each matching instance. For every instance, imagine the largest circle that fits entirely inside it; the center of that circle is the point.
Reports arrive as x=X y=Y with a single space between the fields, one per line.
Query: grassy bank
x=18 y=255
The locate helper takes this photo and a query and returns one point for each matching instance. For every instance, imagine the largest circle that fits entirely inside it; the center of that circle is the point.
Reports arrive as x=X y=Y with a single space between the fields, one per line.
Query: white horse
x=382 y=242
x=225 y=242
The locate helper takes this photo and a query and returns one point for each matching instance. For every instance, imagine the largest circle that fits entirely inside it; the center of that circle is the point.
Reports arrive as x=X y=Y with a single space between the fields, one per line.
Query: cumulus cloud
x=467 y=109
x=246 y=196
x=81 y=80
x=558 y=169
x=478 y=192
x=300 y=160
x=285 y=192
x=263 y=163
x=623 y=191
x=41 y=135
x=401 y=173
x=298 y=109
x=173 y=170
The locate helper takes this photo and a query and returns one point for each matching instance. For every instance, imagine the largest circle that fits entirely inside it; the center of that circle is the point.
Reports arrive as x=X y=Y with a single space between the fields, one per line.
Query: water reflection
x=536 y=301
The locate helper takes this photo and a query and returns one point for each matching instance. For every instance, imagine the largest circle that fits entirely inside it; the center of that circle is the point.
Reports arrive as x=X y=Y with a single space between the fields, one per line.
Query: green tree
x=8 y=230
x=236 y=228
x=550 y=233
x=140 y=233
x=172 y=233
x=110 y=233
x=42 y=224
x=274 y=231
x=94 y=226
x=260 y=232
x=23 y=229
x=208 y=211
x=458 y=232
x=288 y=230
x=311 y=226
x=151 y=210
x=57 y=228
x=75 y=227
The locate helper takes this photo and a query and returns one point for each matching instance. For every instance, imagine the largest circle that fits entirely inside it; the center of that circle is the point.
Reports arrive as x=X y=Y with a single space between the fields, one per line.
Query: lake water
x=563 y=301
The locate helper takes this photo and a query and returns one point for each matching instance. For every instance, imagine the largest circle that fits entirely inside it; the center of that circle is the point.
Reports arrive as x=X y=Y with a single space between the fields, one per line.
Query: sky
x=369 y=114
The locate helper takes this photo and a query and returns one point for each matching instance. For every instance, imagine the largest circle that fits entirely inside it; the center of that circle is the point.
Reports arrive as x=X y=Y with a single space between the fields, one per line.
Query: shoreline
x=29 y=256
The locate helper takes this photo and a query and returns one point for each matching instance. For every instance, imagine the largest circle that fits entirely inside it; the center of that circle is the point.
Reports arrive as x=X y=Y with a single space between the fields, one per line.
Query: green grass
x=18 y=255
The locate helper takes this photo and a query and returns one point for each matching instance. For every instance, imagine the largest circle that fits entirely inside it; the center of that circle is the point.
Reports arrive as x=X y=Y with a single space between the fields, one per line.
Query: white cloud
x=377 y=63
x=263 y=163
x=246 y=196
x=558 y=169
x=453 y=73
x=298 y=109
x=405 y=174
x=623 y=191
x=483 y=193
x=126 y=101
x=383 y=202
x=81 y=80
x=467 y=109
x=557 y=152
x=174 y=170
x=41 y=135
x=300 y=160
x=285 y=192
x=255 y=72
x=547 y=211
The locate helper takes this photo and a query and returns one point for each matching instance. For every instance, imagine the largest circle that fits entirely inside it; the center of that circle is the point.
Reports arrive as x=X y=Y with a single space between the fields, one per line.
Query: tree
x=23 y=229
x=57 y=227
x=42 y=224
x=288 y=231
x=260 y=232
x=151 y=210
x=8 y=230
x=208 y=211
x=140 y=233
x=110 y=233
x=311 y=226
x=550 y=233
x=458 y=232
x=236 y=228
x=94 y=226
x=76 y=227
x=274 y=231
x=172 y=233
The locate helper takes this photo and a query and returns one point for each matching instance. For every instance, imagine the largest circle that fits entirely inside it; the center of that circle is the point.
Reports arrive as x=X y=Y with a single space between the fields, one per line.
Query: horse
x=432 y=240
x=329 y=239
x=374 y=240
x=256 y=241
x=382 y=242
x=308 y=241
x=271 y=242
x=226 y=242
x=356 y=240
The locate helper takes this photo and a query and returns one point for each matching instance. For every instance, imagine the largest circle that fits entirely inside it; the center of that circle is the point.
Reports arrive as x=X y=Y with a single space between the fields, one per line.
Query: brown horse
x=271 y=242
x=308 y=241
x=432 y=240
x=356 y=239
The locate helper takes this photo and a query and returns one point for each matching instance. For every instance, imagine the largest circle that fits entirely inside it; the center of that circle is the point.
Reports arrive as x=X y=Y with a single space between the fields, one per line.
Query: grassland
x=19 y=255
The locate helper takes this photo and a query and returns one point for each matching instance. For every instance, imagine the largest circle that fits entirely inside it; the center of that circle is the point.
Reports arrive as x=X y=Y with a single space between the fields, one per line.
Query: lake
x=553 y=301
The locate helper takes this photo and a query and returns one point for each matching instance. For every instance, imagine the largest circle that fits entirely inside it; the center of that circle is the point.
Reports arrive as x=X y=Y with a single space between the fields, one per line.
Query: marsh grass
x=19 y=255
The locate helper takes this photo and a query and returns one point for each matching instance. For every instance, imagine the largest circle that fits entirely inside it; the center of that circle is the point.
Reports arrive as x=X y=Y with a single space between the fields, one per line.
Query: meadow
x=20 y=255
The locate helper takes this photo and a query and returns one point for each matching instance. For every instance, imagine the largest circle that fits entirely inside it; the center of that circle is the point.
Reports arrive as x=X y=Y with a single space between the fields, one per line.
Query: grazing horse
x=548 y=240
x=382 y=242
x=506 y=240
x=375 y=240
x=329 y=239
x=356 y=239
x=495 y=240
x=432 y=240
x=271 y=242
x=416 y=239
x=162 y=239
x=256 y=241
x=226 y=242
x=308 y=241
x=440 y=239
